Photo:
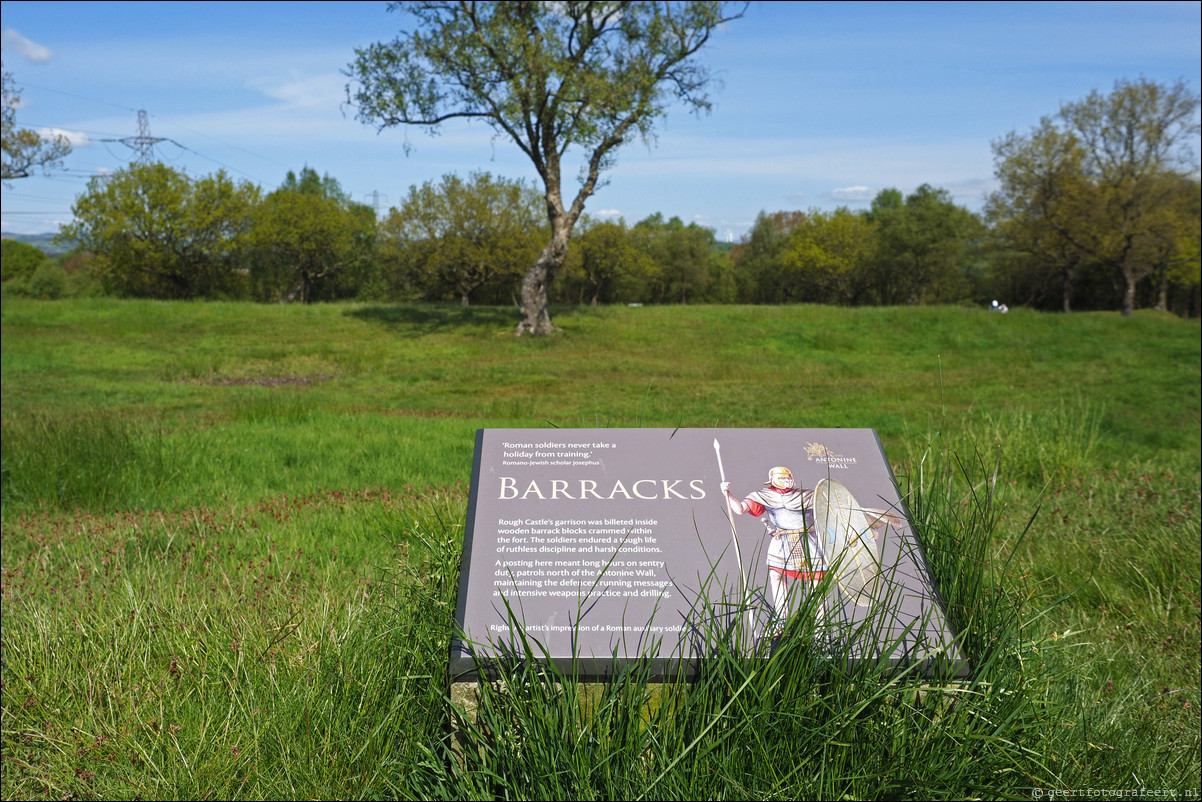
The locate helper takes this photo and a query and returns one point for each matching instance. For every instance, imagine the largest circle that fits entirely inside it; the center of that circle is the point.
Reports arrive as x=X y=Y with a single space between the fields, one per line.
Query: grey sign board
x=586 y=546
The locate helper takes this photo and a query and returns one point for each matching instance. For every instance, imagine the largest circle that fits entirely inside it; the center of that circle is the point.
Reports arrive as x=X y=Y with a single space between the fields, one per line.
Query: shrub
x=18 y=260
x=49 y=282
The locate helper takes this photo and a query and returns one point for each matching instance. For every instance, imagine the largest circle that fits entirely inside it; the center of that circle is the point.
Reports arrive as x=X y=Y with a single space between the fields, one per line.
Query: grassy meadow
x=231 y=536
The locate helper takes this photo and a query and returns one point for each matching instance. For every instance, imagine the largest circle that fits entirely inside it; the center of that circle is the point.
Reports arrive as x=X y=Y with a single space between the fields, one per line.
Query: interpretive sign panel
x=586 y=546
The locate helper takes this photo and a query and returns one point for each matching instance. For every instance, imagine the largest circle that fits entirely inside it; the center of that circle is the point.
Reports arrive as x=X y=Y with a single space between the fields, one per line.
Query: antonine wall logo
x=817 y=452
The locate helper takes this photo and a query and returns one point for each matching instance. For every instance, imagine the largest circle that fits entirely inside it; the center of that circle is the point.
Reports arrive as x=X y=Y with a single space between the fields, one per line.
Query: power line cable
x=23 y=196
x=111 y=137
x=26 y=85
x=215 y=161
x=220 y=142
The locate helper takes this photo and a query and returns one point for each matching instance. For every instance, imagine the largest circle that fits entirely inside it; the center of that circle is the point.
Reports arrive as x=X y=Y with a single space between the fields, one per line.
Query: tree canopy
x=305 y=236
x=547 y=76
x=606 y=264
x=456 y=237
x=158 y=233
x=826 y=256
x=25 y=149
x=1100 y=184
x=921 y=244
x=678 y=258
x=18 y=260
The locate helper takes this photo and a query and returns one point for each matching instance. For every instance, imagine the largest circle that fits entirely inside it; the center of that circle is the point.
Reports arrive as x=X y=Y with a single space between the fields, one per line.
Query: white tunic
x=789 y=517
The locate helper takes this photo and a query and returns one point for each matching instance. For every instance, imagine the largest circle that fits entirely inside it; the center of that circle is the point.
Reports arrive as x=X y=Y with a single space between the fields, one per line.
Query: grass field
x=231 y=538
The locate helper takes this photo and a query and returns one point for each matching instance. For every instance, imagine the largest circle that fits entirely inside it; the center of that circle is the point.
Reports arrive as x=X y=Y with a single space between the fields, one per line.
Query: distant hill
x=44 y=241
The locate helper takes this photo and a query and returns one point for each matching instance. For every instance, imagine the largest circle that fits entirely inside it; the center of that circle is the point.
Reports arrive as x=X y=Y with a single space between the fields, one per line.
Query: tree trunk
x=536 y=320
x=1129 y=295
x=296 y=292
x=1162 y=292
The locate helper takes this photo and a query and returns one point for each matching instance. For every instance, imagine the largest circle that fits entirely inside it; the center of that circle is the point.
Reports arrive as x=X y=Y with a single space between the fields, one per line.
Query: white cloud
x=78 y=139
x=28 y=50
x=324 y=91
x=858 y=193
x=608 y=213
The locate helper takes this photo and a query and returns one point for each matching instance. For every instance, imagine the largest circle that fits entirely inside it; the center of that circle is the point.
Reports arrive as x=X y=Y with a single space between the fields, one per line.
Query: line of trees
x=1098 y=208
x=155 y=232
x=1102 y=197
x=920 y=248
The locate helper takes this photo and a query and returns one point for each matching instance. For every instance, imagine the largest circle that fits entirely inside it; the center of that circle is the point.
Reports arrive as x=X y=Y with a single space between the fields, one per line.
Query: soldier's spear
x=733 y=534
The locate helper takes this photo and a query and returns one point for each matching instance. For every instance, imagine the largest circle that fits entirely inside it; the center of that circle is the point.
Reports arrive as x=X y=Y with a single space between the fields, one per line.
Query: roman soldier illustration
x=811 y=533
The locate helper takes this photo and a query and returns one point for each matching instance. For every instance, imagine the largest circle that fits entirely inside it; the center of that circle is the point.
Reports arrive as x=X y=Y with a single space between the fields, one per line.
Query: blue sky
x=819 y=104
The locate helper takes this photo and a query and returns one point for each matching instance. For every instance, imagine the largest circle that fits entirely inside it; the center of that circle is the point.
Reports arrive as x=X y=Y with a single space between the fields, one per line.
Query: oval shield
x=847 y=540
